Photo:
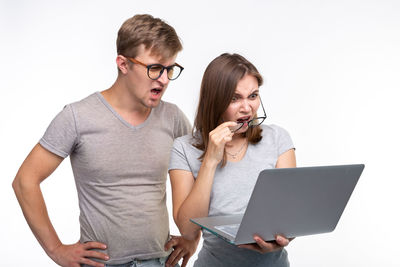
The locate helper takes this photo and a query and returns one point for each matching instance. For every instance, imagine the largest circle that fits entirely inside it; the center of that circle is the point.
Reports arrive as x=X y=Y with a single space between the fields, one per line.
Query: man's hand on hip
x=78 y=253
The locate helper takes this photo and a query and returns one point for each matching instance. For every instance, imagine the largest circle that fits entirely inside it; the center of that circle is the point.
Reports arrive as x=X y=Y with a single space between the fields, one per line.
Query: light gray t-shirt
x=120 y=173
x=231 y=192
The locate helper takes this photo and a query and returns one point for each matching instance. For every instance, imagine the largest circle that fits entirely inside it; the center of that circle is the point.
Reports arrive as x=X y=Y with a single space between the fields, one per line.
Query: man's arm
x=39 y=164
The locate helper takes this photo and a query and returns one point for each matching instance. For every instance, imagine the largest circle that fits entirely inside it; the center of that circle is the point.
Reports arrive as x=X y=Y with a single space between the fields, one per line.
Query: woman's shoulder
x=184 y=149
x=186 y=141
x=273 y=130
x=276 y=136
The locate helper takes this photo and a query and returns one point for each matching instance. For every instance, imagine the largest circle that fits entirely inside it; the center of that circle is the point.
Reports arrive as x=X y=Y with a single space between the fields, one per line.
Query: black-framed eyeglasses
x=253 y=122
x=154 y=71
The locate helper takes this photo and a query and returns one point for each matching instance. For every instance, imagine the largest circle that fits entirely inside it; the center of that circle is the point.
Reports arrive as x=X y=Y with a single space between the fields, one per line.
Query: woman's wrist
x=210 y=163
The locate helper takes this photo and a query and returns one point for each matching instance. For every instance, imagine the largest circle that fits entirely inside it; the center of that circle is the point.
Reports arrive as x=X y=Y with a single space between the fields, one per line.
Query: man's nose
x=164 y=77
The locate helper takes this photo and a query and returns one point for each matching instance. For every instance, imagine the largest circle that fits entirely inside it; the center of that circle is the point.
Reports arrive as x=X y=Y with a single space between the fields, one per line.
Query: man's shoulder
x=167 y=106
x=88 y=100
x=170 y=111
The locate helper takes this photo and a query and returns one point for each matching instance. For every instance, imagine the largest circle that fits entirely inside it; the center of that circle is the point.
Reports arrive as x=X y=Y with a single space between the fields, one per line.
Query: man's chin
x=153 y=103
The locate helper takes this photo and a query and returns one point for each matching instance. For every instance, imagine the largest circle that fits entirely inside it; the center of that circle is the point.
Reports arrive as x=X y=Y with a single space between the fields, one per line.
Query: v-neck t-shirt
x=120 y=173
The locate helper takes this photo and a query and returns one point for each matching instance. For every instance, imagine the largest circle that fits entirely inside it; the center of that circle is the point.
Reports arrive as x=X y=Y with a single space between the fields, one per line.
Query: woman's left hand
x=183 y=249
x=262 y=246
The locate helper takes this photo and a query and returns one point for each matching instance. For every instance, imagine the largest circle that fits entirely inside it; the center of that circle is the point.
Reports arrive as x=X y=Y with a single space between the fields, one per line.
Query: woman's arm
x=286 y=160
x=191 y=197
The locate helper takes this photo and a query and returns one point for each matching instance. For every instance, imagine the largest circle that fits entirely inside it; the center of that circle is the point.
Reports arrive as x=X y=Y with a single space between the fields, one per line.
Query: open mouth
x=156 y=91
x=243 y=119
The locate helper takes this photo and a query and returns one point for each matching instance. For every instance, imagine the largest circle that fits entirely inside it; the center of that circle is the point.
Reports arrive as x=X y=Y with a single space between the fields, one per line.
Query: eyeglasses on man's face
x=154 y=71
x=251 y=123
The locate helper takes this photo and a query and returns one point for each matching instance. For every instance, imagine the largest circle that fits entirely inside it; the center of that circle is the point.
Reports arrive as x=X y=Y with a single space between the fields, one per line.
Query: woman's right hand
x=217 y=140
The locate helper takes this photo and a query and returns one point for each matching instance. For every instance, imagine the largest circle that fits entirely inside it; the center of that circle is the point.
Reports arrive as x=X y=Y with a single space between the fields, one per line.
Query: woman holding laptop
x=213 y=171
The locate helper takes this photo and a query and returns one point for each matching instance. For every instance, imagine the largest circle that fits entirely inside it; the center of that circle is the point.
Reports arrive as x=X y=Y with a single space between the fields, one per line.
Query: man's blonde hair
x=153 y=33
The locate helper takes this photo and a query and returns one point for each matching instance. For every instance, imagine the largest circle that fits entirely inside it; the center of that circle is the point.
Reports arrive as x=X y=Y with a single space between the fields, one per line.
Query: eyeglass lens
x=251 y=123
x=156 y=71
x=256 y=121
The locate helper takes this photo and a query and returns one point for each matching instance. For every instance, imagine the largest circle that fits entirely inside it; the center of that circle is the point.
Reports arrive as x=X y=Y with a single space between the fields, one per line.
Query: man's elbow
x=22 y=185
x=17 y=185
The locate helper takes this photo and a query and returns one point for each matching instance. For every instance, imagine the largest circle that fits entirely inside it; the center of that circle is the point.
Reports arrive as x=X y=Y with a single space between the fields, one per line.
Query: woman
x=213 y=171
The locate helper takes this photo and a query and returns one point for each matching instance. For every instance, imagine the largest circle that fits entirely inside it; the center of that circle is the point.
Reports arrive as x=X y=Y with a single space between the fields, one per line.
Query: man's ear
x=122 y=64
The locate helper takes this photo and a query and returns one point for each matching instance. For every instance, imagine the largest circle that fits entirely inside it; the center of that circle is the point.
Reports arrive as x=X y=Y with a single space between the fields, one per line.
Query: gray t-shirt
x=120 y=173
x=231 y=191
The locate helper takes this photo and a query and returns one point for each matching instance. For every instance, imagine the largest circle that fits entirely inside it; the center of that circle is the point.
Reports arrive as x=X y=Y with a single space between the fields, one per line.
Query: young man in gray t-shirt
x=119 y=142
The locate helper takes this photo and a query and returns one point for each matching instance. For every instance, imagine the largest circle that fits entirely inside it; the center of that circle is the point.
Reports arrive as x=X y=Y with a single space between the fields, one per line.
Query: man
x=119 y=142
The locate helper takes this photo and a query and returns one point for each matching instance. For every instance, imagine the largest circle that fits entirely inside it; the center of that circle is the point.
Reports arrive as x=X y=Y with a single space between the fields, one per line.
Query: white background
x=332 y=77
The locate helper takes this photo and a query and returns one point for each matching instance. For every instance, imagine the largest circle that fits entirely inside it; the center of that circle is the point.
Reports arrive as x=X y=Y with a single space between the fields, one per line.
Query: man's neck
x=125 y=104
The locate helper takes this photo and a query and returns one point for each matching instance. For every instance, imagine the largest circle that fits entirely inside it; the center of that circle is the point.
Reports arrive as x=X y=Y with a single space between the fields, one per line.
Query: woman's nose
x=245 y=106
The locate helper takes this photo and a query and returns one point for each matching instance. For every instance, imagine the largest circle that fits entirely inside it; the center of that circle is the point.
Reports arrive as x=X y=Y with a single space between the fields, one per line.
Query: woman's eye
x=234 y=99
x=253 y=96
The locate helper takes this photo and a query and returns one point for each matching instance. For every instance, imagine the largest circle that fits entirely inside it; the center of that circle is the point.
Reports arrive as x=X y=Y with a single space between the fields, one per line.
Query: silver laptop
x=292 y=202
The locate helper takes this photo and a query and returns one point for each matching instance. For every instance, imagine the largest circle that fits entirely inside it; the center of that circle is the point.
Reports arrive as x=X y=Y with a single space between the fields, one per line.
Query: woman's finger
x=282 y=241
x=174 y=257
x=178 y=257
x=265 y=246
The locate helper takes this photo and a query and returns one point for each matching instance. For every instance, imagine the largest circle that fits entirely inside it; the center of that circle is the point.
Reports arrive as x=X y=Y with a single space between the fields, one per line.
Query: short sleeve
x=284 y=141
x=182 y=124
x=178 y=159
x=61 y=136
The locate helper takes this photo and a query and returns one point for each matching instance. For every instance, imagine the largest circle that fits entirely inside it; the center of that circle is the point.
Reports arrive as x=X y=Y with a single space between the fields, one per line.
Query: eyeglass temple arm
x=182 y=68
x=265 y=114
x=136 y=61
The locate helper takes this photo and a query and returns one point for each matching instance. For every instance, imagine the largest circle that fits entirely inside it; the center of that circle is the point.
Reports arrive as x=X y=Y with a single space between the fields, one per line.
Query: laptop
x=291 y=201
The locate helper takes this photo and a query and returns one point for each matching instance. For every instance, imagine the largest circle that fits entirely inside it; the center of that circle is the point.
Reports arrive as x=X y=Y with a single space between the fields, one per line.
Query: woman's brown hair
x=217 y=89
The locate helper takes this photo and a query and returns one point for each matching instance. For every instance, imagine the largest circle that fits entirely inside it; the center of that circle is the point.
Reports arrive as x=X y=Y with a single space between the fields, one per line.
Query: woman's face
x=244 y=103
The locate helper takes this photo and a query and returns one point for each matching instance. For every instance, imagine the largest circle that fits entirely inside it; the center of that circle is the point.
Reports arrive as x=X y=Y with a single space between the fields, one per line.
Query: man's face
x=144 y=90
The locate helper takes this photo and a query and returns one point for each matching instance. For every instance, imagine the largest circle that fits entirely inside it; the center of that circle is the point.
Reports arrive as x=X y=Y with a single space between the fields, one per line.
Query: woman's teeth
x=243 y=119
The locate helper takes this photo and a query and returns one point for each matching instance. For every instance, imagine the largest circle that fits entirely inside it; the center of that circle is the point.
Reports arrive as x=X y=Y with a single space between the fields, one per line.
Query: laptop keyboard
x=230 y=229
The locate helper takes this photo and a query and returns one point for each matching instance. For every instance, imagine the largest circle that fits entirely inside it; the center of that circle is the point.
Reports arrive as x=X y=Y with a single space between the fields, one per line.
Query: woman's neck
x=237 y=139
